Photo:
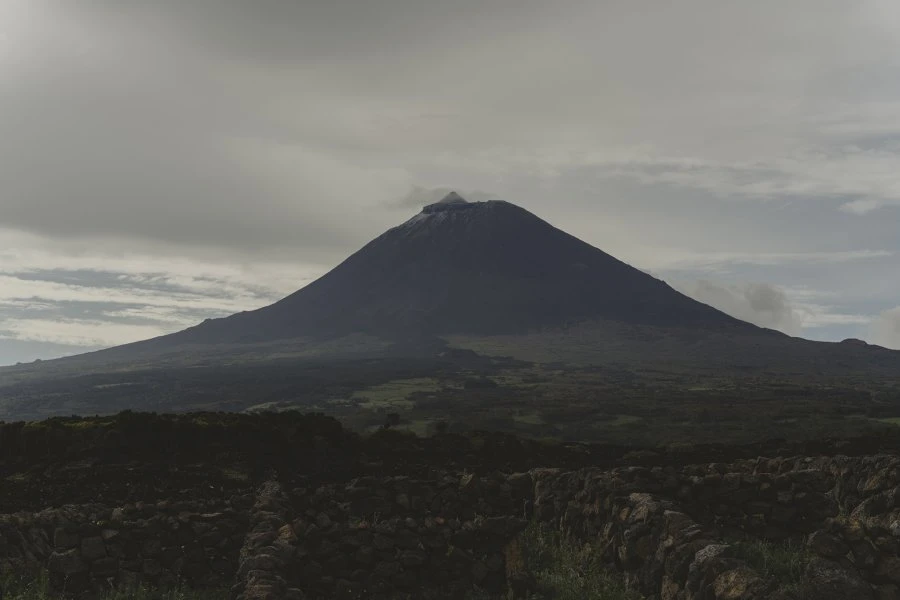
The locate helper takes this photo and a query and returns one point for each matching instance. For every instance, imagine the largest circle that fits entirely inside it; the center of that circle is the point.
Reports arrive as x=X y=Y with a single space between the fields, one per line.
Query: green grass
x=567 y=570
x=417 y=426
x=240 y=475
x=624 y=420
x=529 y=418
x=785 y=563
x=396 y=393
x=21 y=587
x=265 y=406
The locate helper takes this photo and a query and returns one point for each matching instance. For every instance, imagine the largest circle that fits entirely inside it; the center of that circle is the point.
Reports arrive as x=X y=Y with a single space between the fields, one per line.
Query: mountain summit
x=463 y=267
x=451 y=199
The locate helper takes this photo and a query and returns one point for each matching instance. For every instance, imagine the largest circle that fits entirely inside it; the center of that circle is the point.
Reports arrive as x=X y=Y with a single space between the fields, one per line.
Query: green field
x=395 y=394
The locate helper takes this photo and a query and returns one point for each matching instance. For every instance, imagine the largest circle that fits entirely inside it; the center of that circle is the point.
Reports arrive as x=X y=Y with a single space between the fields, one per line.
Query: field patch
x=395 y=394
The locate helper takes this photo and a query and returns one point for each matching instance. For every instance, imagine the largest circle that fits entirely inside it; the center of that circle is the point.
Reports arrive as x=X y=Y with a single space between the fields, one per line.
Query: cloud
x=861 y=180
x=150 y=147
x=110 y=262
x=885 y=330
x=78 y=333
x=789 y=310
x=247 y=129
x=685 y=259
x=57 y=296
x=128 y=302
x=758 y=303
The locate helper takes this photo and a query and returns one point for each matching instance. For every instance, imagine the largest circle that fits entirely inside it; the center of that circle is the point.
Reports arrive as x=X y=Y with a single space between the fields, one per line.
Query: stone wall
x=845 y=510
x=268 y=550
x=773 y=498
x=383 y=538
x=92 y=547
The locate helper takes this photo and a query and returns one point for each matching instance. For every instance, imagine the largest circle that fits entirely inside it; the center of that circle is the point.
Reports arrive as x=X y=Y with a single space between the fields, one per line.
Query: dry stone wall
x=91 y=547
x=389 y=537
x=269 y=548
x=846 y=511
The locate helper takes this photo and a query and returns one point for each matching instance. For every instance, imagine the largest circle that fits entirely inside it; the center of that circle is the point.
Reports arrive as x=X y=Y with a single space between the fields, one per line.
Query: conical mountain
x=465 y=268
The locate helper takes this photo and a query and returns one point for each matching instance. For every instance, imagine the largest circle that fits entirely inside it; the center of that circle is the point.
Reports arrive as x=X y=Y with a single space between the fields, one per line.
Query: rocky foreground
x=367 y=529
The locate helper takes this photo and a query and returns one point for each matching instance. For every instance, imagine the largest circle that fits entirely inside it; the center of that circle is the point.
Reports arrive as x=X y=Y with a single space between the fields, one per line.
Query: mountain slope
x=465 y=268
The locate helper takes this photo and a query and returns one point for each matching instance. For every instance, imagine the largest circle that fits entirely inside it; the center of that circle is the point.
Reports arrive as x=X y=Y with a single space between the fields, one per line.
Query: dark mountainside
x=465 y=268
x=492 y=271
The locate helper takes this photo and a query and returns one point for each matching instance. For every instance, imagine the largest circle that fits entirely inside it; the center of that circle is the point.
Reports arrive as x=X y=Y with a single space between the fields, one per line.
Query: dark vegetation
x=612 y=404
x=146 y=457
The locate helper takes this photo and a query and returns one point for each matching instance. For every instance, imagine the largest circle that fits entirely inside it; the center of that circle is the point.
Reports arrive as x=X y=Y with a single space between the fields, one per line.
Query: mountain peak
x=453 y=198
x=449 y=202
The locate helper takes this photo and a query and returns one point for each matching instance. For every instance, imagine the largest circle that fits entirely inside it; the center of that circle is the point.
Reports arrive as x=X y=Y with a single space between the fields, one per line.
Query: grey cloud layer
x=227 y=123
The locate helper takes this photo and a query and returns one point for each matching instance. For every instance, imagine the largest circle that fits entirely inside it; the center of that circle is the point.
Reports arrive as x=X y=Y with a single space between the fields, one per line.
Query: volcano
x=493 y=278
x=465 y=268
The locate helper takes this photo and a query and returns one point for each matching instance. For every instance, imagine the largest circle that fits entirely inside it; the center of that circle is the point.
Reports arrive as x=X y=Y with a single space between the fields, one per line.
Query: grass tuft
x=567 y=570
x=785 y=563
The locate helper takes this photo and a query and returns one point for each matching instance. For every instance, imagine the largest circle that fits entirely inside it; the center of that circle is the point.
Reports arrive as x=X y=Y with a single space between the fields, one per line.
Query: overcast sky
x=163 y=162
